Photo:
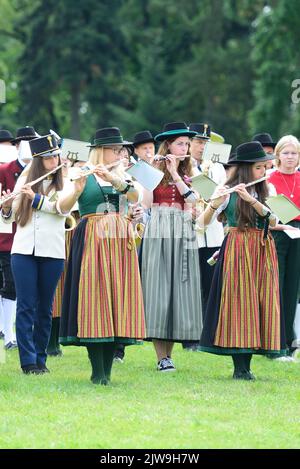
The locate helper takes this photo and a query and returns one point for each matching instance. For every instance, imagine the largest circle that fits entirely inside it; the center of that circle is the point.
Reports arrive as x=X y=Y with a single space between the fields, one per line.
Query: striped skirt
x=57 y=303
x=171 y=276
x=243 y=312
x=103 y=298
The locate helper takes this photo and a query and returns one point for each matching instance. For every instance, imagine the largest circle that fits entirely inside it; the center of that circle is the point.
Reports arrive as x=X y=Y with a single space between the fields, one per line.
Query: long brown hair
x=246 y=215
x=37 y=169
x=185 y=167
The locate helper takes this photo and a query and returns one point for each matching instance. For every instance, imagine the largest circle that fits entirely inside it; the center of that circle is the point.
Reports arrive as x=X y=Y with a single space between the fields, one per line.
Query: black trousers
x=7 y=289
x=207 y=272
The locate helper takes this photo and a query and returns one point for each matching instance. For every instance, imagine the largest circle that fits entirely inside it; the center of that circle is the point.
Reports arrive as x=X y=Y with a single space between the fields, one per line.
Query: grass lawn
x=199 y=406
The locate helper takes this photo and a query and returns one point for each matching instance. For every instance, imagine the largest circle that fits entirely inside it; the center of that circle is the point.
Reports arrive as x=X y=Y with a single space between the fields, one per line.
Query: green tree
x=71 y=49
x=276 y=59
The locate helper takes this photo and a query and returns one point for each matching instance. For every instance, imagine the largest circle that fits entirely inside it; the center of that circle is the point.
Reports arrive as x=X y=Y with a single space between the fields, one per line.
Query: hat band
x=108 y=140
x=57 y=149
x=251 y=154
x=202 y=136
x=175 y=132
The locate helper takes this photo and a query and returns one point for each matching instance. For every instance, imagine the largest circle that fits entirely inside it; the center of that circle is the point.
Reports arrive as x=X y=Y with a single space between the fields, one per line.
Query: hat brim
x=148 y=140
x=48 y=154
x=6 y=140
x=124 y=144
x=174 y=133
x=235 y=161
x=17 y=140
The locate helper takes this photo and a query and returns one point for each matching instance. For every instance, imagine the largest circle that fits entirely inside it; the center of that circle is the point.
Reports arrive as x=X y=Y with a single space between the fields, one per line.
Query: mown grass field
x=199 y=406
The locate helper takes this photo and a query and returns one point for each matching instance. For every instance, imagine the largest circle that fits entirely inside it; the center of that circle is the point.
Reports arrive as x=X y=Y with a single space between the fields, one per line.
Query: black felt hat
x=265 y=139
x=202 y=130
x=231 y=160
x=44 y=146
x=109 y=136
x=24 y=133
x=143 y=137
x=174 y=129
x=5 y=136
x=250 y=152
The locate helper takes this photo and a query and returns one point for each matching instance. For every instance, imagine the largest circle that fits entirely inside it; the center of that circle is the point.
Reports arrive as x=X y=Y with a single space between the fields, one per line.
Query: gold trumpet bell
x=70 y=223
x=139 y=230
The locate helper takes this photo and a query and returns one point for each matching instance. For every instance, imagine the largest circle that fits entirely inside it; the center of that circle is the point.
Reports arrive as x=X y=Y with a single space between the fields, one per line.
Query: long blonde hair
x=185 y=167
x=96 y=156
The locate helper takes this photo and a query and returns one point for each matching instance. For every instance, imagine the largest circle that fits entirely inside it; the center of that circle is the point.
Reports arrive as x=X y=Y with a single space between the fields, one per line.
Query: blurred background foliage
x=136 y=64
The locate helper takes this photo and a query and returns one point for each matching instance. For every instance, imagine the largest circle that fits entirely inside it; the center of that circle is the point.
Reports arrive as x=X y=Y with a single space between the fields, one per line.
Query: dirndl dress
x=243 y=313
x=103 y=299
x=170 y=270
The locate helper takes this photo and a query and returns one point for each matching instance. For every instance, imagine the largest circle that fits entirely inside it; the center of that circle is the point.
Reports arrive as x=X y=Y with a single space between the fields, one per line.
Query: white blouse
x=44 y=234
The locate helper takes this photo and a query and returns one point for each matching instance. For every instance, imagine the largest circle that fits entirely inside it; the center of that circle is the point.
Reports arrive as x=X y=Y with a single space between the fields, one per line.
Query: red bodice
x=168 y=195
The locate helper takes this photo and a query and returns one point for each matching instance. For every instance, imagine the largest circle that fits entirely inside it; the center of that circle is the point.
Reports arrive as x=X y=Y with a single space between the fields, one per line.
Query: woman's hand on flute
x=241 y=190
x=219 y=196
x=102 y=172
x=171 y=165
x=27 y=191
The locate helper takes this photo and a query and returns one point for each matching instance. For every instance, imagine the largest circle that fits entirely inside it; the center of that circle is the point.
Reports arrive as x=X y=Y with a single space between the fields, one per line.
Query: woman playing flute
x=169 y=257
x=38 y=251
x=102 y=303
x=243 y=312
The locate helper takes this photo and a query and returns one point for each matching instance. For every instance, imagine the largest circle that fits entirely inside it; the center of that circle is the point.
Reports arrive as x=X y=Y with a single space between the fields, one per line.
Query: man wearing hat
x=268 y=145
x=144 y=147
x=7 y=150
x=9 y=173
x=6 y=137
x=210 y=239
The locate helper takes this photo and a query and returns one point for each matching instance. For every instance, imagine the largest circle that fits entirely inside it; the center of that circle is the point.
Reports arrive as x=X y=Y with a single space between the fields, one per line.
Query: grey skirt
x=171 y=276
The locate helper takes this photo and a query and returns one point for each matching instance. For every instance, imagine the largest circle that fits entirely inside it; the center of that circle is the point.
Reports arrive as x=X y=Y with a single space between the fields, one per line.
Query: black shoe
x=245 y=375
x=31 y=370
x=11 y=345
x=1 y=335
x=56 y=353
x=102 y=381
x=119 y=356
x=43 y=368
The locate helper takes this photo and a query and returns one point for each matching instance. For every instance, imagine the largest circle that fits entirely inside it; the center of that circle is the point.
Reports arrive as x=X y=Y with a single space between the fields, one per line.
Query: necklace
x=289 y=190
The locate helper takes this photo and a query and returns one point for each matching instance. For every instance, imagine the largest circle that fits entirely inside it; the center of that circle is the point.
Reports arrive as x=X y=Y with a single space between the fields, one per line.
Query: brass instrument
x=70 y=223
x=139 y=230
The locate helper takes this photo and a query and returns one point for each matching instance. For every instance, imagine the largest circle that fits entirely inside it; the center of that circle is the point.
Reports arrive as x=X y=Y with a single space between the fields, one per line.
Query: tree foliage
x=78 y=66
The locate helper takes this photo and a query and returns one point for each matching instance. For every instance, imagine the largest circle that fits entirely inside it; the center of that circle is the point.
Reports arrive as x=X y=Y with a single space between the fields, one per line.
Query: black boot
x=53 y=348
x=95 y=352
x=247 y=360
x=108 y=356
x=242 y=366
x=31 y=370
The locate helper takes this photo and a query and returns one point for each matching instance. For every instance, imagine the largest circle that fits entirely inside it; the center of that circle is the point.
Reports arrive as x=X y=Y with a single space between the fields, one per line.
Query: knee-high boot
x=53 y=348
x=95 y=352
x=108 y=356
x=242 y=366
